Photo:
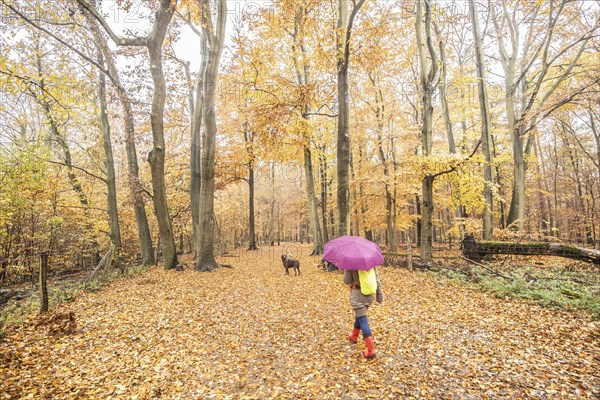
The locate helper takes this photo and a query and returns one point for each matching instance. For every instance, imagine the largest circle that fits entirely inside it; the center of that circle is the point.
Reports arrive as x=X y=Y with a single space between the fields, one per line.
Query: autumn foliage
x=253 y=332
x=171 y=132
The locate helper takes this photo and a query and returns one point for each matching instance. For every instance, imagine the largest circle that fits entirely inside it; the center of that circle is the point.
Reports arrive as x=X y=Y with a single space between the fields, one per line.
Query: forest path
x=253 y=332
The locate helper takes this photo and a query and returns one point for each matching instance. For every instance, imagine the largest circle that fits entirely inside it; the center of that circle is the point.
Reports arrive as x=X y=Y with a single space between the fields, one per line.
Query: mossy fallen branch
x=476 y=251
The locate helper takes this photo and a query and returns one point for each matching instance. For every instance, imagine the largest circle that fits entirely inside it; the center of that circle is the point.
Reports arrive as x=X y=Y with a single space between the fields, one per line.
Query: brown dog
x=288 y=263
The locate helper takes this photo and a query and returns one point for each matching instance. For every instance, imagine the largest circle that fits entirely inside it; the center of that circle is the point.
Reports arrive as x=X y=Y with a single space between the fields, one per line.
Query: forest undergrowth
x=252 y=332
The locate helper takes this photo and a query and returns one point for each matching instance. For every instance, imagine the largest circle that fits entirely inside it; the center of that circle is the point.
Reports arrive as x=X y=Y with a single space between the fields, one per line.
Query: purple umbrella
x=353 y=252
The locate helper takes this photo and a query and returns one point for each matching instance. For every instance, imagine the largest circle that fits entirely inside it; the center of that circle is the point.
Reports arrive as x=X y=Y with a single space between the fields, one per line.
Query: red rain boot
x=353 y=337
x=370 y=353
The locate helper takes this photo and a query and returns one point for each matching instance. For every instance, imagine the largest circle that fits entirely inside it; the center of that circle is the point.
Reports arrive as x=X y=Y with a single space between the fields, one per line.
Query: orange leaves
x=254 y=333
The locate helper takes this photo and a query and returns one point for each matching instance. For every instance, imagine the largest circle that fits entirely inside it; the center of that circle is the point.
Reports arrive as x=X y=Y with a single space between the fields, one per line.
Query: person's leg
x=367 y=336
x=353 y=337
x=363 y=324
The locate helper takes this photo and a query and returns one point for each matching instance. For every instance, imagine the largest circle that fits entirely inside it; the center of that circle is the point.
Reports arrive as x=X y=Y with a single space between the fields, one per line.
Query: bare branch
x=455 y=167
x=61 y=41
x=121 y=41
x=74 y=167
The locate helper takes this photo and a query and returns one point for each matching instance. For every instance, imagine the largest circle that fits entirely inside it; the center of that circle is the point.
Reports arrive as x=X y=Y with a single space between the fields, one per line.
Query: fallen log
x=476 y=250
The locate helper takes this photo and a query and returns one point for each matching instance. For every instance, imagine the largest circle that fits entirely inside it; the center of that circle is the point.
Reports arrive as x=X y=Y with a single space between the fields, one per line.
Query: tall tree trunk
x=324 y=190
x=343 y=154
x=113 y=213
x=312 y=203
x=344 y=32
x=271 y=236
x=488 y=216
x=156 y=158
x=555 y=181
x=205 y=258
x=546 y=220
x=355 y=225
x=363 y=208
x=395 y=188
x=249 y=140
x=426 y=218
x=196 y=151
x=141 y=217
x=419 y=220
x=498 y=183
x=516 y=212
x=251 y=221
x=427 y=76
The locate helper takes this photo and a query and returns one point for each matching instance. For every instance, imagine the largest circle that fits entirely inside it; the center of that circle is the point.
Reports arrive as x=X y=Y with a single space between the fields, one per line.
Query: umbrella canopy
x=352 y=252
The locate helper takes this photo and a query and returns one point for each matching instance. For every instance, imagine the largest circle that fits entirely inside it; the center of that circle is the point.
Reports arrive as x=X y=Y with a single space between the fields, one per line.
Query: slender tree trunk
x=516 y=213
x=555 y=182
x=332 y=224
x=389 y=212
x=312 y=203
x=419 y=220
x=343 y=154
x=113 y=213
x=488 y=216
x=395 y=188
x=272 y=204
x=546 y=220
x=141 y=217
x=596 y=133
x=344 y=32
x=355 y=223
x=249 y=140
x=427 y=75
x=324 y=190
x=251 y=221
x=205 y=258
x=156 y=158
x=196 y=151
x=363 y=208
x=426 y=217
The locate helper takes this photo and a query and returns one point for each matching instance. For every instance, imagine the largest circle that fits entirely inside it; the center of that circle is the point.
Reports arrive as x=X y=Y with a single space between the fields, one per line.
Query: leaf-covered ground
x=253 y=332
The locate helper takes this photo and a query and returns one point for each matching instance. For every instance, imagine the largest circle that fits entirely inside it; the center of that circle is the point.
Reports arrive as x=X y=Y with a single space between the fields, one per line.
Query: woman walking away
x=365 y=287
x=358 y=257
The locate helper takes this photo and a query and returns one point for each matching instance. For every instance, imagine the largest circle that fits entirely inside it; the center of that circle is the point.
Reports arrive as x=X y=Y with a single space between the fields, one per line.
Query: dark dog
x=288 y=263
